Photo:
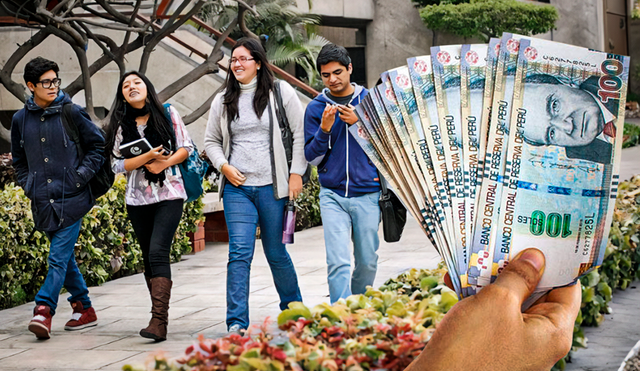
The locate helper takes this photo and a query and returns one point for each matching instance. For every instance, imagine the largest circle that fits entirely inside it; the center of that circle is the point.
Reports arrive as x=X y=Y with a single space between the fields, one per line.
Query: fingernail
x=533 y=256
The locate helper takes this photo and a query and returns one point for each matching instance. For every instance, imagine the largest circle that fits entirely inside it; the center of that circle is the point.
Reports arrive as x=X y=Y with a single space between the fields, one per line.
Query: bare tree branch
x=86 y=79
x=98 y=14
x=114 y=13
x=19 y=90
x=73 y=88
x=224 y=35
x=207 y=67
x=248 y=7
x=104 y=25
x=127 y=36
x=167 y=29
x=60 y=23
x=99 y=41
x=84 y=67
x=193 y=116
x=242 y=9
x=61 y=4
x=210 y=65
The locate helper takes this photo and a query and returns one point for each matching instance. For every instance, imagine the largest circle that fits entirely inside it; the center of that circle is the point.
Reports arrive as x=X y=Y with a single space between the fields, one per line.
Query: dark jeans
x=245 y=208
x=63 y=270
x=155 y=226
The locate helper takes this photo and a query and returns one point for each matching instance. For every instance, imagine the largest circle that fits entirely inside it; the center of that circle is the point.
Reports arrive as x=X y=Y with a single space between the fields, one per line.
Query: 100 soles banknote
x=497 y=148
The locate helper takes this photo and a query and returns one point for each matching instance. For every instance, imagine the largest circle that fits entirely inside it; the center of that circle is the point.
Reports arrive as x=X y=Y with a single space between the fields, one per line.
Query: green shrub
x=620 y=267
x=631 y=135
x=488 y=18
x=106 y=248
x=308 y=212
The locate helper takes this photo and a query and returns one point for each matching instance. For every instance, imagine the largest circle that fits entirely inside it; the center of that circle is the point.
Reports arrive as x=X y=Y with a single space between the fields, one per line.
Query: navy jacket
x=47 y=164
x=343 y=166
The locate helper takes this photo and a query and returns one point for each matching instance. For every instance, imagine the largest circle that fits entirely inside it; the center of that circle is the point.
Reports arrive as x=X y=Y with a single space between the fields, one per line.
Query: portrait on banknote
x=570 y=115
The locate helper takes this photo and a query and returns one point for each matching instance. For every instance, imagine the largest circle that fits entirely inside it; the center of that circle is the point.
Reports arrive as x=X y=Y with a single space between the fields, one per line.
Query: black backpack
x=285 y=130
x=104 y=177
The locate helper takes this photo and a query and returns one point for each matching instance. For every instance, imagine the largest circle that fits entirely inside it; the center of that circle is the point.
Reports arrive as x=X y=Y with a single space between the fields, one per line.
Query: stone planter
x=197 y=239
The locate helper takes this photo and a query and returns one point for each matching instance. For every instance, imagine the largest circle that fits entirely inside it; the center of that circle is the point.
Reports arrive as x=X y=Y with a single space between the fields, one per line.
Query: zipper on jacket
x=346 y=187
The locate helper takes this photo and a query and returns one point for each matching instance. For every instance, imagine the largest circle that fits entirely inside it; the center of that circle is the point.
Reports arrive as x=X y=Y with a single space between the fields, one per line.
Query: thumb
x=523 y=273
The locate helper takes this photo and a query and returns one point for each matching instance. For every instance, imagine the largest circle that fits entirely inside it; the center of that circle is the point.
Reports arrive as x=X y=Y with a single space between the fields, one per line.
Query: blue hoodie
x=343 y=166
x=47 y=164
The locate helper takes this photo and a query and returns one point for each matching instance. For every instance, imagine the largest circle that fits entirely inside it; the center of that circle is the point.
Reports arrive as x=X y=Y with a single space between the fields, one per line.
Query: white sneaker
x=236 y=329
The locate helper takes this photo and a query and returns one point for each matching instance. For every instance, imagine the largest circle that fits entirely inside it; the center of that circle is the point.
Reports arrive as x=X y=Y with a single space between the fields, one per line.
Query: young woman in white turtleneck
x=243 y=141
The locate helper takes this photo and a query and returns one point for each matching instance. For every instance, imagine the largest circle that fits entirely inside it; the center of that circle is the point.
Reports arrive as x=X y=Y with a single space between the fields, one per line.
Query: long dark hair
x=157 y=122
x=265 y=81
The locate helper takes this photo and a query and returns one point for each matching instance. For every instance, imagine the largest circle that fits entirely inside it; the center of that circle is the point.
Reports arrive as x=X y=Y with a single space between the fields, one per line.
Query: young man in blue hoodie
x=56 y=180
x=350 y=189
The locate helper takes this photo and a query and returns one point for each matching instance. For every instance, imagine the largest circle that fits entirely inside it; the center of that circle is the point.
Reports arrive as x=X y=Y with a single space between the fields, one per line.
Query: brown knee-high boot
x=160 y=296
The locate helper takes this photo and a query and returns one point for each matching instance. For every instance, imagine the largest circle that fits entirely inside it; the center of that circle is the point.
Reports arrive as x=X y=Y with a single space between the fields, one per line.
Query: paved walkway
x=198 y=307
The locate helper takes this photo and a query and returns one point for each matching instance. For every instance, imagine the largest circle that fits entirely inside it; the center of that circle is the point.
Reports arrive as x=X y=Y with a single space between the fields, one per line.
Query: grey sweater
x=250 y=140
x=217 y=140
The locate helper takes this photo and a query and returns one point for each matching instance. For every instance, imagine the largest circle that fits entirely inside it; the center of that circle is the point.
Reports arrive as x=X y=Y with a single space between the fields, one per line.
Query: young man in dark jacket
x=56 y=181
x=349 y=182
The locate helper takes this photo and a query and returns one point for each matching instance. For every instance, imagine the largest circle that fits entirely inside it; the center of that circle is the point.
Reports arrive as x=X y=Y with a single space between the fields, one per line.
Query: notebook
x=135 y=148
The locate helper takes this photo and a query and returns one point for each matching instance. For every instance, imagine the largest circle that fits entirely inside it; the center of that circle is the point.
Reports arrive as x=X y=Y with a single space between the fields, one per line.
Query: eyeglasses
x=242 y=60
x=48 y=83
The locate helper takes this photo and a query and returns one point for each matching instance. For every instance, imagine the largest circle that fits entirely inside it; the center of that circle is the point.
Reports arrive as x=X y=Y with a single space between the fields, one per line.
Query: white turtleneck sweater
x=250 y=140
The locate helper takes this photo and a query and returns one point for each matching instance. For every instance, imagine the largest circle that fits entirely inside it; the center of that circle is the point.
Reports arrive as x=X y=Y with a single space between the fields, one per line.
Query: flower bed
x=383 y=329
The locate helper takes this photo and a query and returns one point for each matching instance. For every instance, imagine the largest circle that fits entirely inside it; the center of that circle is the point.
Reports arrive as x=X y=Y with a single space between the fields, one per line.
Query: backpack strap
x=71 y=128
x=283 y=122
x=167 y=114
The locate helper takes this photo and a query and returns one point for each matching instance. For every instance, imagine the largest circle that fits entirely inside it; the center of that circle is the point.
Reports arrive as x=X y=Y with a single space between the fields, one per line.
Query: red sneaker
x=40 y=324
x=81 y=318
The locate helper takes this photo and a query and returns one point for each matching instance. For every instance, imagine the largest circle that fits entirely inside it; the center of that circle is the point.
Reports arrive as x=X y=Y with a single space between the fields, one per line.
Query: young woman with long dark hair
x=155 y=192
x=244 y=143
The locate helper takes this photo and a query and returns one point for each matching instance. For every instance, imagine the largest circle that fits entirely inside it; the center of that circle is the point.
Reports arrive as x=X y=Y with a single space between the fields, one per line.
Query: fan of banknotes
x=497 y=148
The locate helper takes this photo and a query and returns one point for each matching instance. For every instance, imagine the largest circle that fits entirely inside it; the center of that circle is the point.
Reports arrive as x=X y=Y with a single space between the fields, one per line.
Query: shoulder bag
x=394 y=214
x=285 y=130
x=193 y=169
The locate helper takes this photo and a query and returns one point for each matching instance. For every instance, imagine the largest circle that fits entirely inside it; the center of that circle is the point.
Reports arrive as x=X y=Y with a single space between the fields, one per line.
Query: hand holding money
x=503 y=337
x=328 y=117
x=495 y=148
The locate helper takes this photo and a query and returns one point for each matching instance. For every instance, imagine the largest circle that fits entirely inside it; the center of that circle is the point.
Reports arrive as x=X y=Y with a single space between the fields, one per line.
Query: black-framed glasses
x=48 y=83
x=241 y=59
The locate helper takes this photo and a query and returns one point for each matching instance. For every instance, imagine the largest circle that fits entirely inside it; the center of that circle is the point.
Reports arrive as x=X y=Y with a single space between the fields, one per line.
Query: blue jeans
x=245 y=208
x=63 y=270
x=344 y=219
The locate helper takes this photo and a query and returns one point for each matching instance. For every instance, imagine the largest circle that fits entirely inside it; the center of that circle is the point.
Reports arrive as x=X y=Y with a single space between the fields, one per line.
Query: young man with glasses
x=56 y=180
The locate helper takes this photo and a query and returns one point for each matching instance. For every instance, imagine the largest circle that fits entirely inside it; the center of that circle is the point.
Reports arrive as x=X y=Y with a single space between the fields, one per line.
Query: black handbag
x=394 y=214
x=285 y=130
